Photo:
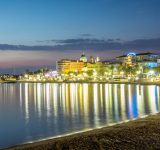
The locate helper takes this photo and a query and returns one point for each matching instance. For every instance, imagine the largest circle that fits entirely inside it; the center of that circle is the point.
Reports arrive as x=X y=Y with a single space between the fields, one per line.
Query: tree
x=90 y=72
x=111 y=67
x=130 y=70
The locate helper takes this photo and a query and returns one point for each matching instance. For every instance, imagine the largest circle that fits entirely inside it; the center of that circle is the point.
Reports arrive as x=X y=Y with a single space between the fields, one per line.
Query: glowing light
x=39 y=98
x=85 y=104
x=106 y=100
x=106 y=73
x=95 y=98
x=138 y=72
x=122 y=72
x=110 y=99
x=151 y=72
x=20 y=96
x=26 y=102
x=131 y=54
x=152 y=98
x=35 y=96
x=101 y=95
x=116 y=102
x=123 y=110
x=130 y=108
x=63 y=97
x=72 y=98
x=94 y=73
x=55 y=99
x=158 y=95
x=48 y=98
x=140 y=103
x=51 y=74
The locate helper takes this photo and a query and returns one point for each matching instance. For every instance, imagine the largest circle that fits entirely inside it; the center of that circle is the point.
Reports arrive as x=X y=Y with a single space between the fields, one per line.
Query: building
x=133 y=57
x=66 y=65
x=148 y=59
x=94 y=66
x=83 y=58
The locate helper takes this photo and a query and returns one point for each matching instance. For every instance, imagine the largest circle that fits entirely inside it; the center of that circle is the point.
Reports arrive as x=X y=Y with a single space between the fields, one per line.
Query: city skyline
x=38 y=33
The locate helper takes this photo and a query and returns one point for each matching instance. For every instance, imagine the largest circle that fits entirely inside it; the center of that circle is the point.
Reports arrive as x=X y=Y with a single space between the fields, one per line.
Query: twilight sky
x=39 y=32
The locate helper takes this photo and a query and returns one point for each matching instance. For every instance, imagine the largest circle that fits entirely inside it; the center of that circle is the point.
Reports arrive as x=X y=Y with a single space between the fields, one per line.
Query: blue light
x=131 y=54
x=152 y=64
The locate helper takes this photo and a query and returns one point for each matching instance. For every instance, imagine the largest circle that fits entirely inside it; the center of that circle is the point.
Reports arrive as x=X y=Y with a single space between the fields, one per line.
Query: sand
x=139 y=134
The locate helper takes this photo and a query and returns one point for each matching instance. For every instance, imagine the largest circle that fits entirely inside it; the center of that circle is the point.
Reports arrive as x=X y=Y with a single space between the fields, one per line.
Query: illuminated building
x=145 y=59
x=128 y=59
x=97 y=59
x=138 y=57
x=66 y=65
x=148 y=64
x=131 y=59
x=91 y=59
x=83 y=58
x=94 y=66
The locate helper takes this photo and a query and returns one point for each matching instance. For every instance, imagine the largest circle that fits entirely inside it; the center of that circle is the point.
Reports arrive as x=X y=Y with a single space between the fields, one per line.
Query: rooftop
x=139 y=54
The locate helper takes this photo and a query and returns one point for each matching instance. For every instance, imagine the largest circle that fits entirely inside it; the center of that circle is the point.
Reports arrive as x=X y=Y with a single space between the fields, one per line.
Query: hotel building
x=145 y=59
x=66 y=65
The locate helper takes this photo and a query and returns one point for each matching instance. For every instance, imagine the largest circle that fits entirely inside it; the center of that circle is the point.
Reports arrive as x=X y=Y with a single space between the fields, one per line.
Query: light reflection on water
x=31 y=111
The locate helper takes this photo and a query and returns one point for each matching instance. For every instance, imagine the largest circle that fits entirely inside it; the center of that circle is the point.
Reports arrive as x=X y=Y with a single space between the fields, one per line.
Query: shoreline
x=143 y=133
x=90 y=82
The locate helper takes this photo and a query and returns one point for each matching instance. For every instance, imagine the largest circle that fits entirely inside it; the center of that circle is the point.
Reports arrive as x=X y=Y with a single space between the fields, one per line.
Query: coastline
x=143 y=133
x=90 y=82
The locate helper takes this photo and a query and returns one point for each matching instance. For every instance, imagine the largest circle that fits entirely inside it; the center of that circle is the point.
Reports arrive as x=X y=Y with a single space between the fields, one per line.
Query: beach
x=143 y=133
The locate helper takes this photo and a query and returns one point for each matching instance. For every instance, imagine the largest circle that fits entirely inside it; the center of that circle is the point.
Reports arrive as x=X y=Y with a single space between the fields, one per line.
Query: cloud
x=144 y=44
x=110 y=40
x=23 y=55
x=85 y=35
x=24 y=47
x=46 y=41
x=89 y=44
x=80 y=41
x=118 y=39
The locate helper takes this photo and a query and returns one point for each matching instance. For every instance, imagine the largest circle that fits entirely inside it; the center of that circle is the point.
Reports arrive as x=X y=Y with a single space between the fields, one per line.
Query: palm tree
x=111 y=69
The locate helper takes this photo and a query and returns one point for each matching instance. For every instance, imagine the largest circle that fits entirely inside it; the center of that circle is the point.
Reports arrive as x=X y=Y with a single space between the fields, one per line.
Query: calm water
x=31 y=111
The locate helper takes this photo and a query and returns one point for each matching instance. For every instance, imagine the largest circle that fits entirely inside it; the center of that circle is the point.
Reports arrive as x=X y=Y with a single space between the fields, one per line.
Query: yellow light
x=26 y=75
x=94 y=73
x=138 y=72
x=106 y=73
x=122 y=72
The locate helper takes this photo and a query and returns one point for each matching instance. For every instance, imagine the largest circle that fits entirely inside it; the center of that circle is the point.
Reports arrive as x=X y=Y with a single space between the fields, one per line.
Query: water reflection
x=26 y=102
x=34 y=111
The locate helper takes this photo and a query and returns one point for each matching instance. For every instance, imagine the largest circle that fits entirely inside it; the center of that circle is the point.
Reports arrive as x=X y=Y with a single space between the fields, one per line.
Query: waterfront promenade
x=144 y=82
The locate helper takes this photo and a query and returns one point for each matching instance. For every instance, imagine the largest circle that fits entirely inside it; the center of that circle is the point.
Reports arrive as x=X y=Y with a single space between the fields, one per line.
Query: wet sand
x=139 y=134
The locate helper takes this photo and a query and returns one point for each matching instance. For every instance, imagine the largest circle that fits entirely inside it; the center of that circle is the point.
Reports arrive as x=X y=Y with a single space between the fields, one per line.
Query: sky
x=37 y=33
